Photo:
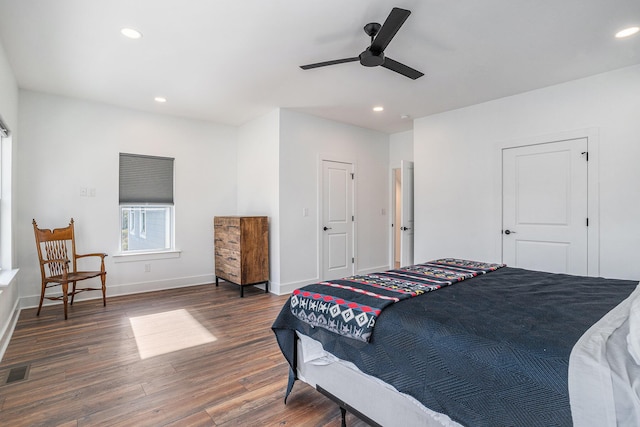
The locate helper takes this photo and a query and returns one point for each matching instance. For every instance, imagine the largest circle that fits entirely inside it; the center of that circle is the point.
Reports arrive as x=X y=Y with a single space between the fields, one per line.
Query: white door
x=544 y=219
x=406 y=215
x=337 y=220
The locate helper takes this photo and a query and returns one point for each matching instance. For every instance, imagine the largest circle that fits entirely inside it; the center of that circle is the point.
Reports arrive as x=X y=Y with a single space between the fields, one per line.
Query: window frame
x=142 y=227
x=131 y=221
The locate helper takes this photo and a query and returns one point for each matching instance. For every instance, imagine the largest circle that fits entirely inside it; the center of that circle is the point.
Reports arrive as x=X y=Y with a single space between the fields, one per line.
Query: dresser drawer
x=227 y=236
x=229 y=273
x=228 y=256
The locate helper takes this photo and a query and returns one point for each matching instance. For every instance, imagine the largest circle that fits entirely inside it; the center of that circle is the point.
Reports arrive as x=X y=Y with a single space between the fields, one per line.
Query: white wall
x=457 y=155
x=400 y=148
x=258 y=171
x=66 y=144
x=304 y=141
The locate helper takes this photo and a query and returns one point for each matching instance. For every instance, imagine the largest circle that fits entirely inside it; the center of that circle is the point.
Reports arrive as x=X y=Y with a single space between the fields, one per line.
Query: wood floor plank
x=87 y=370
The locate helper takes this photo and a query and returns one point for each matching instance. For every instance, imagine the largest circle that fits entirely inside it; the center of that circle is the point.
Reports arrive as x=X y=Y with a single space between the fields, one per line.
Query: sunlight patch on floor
x=169 y=331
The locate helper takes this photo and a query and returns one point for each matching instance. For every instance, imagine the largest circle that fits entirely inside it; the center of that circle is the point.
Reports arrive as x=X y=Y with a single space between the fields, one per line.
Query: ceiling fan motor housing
x=371 y=59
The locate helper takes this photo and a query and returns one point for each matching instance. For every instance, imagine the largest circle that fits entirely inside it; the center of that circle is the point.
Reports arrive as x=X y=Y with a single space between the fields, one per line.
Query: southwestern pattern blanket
x=351 y=306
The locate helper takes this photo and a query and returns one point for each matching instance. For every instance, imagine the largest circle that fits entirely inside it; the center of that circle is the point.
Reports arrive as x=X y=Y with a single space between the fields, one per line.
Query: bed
x=505 y=347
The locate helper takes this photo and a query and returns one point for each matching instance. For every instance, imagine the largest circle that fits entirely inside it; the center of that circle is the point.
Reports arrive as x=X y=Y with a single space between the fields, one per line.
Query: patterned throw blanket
x=351 y=306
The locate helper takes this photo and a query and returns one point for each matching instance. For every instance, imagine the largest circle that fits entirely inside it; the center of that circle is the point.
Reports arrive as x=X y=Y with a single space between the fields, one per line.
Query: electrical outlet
x=83 y=192
x=147 y=268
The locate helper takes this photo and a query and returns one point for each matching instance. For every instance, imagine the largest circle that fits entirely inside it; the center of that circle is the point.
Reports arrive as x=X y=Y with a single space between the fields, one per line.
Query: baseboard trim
x=160 y=285
x=287 y=288
x=129 y=289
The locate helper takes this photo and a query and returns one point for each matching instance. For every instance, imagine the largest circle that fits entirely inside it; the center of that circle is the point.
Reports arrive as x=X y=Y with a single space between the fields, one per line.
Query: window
x=5 y=198
x=146 y=203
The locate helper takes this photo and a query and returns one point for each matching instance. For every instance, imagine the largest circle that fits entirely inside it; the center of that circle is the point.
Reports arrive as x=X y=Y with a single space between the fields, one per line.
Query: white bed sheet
x=371 y=396
x=604 y=369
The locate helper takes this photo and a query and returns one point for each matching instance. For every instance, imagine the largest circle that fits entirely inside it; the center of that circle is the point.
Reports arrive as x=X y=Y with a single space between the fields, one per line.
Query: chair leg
x=73 y=292
x=41 y=299
x=65 y=289
x=104 y=289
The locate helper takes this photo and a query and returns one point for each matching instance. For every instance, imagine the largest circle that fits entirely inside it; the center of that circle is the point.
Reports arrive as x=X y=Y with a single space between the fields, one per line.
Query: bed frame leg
x=344 y=407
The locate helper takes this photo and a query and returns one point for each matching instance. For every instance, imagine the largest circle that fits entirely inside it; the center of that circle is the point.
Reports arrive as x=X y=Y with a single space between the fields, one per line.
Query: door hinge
x=587 y=222
x=353 y=176
x=586 y=155
x=353 y=217
x=353 y=260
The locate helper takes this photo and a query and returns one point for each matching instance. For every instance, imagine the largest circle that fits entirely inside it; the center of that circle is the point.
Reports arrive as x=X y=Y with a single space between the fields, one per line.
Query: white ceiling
x=230 y=61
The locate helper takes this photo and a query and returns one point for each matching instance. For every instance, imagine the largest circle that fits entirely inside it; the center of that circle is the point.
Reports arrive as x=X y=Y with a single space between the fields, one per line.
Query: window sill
x=145 y=256
x=7 y=276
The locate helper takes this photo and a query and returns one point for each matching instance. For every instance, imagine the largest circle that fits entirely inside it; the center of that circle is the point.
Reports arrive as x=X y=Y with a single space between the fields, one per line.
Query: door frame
x=593 y=187
x=320 y=204
x=406 y=166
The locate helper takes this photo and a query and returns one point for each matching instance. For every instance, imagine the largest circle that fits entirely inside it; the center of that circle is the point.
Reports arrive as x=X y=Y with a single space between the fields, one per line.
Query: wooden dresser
x=242 y=250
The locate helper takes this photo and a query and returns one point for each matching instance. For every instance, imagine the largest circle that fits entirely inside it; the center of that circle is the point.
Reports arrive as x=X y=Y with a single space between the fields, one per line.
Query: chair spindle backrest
x=55 y=244
x=56 y=249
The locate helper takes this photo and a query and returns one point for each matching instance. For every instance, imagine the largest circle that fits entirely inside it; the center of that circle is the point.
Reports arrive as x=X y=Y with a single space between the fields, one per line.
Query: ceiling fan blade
x=396 y=66
x=389 y=29
x=324 y=64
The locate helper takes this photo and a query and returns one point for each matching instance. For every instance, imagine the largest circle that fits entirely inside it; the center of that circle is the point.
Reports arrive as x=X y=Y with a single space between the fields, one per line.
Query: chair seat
x=74 y=276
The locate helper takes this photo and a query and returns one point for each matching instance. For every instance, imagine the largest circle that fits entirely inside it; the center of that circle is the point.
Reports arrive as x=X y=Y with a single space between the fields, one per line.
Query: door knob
x=509 y=232
x=326 y=228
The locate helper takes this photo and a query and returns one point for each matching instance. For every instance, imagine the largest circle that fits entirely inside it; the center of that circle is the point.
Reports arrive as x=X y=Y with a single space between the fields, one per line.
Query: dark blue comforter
x=489 y=351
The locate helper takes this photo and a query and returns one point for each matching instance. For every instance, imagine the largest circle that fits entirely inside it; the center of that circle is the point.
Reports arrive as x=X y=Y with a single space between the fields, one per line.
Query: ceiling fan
x=381 y=36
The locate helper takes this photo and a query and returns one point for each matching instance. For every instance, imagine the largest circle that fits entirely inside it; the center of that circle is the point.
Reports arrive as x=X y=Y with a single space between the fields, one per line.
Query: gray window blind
x=146 y=179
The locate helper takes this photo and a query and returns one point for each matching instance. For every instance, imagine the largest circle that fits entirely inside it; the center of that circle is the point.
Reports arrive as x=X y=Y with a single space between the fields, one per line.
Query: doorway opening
x=402 y=215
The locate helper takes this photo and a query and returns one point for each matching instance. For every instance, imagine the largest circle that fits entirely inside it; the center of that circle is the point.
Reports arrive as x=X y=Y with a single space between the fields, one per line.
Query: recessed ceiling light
x=379 y=108
x=627 y=32
x=131 y=33
x=160 y=99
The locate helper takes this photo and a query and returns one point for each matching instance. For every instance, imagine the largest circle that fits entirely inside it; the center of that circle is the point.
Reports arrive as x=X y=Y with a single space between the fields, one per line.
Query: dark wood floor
x=87 y=371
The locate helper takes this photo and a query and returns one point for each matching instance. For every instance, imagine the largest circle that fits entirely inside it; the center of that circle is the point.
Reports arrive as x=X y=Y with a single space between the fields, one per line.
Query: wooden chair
x=57 y=268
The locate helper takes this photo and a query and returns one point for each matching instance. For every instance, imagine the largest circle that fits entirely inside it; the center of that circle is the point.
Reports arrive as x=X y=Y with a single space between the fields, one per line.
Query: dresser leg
x=266 y=287
x=216 y=281
x=241 y=291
